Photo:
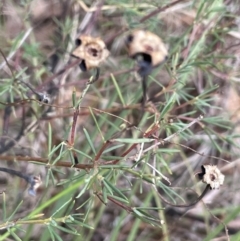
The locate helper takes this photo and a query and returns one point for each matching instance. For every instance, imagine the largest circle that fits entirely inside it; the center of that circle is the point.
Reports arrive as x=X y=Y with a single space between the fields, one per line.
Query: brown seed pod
x=147 y=48
x=91 y=50
x=212 y=176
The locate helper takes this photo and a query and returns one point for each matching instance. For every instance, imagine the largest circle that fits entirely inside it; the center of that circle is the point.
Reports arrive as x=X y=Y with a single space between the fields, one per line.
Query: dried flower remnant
x=34 y=181
x=148 y=50
x=92 y=51
x=42 y=97
x=212 y=176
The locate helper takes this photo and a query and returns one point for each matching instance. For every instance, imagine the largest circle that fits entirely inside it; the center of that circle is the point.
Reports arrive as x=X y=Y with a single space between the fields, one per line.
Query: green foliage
x=102 y=155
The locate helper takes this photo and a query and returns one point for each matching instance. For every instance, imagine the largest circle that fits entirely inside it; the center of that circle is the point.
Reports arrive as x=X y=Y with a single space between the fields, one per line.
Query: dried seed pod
x=91 y=50
x=212 y=176
x=147 y=48
x=149 y=51
x=44 y=98
x=35 y=182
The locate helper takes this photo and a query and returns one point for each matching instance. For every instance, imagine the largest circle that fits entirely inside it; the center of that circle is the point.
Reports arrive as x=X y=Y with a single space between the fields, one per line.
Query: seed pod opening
x=147 y=48
x=211 y=175
x=91 y=50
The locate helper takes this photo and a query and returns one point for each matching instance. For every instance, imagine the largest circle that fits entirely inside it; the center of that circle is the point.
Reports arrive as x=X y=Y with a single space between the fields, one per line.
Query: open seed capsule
x=147 y=48
x=91 y=50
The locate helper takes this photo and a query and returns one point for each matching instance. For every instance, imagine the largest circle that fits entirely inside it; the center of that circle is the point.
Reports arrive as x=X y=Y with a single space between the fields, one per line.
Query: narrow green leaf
x=144 y=215
x=61 y=207
x=61 y=154
x=82 y=96
x=136 y=211
x=170 y=192
x=88 y=182
x=168 y=151
x=162 y=160
x=116 y=190
x=136 y=163
x=208 y=132
x=51 y=232
x=4 y=89
x=14 y=235
x=111 y=157
x=113 y=148
x=89 y=141
x=49 y=137
x=94 y=118
x=119 y=199
x=118 y=89
x=148 y=208
x=16 y=209
x=4 y=206
x=20 y=72
x=88 y=209
x=84 y=203
x=73 y=178
x=55 y=148
x=169 y=105
x=104 y=194
x=71 y=157
x=82 y=153
x=114 y=166
x=47 y=177
x=133 y=141
x=52 y=177
x=57 y=236
x=82 y=224
x=68 y=230
x=107 y=186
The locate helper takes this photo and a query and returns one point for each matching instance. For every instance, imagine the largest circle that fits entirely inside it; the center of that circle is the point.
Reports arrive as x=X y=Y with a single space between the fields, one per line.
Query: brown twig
x=109 y=111
x=104 y=146
x=146 y=135
x=73 y=130
x=45 y=161
x=127 y=208
x=4 y=57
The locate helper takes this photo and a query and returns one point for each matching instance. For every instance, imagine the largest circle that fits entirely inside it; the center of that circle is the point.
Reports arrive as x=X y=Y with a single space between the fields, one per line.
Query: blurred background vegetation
x=126 y=163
